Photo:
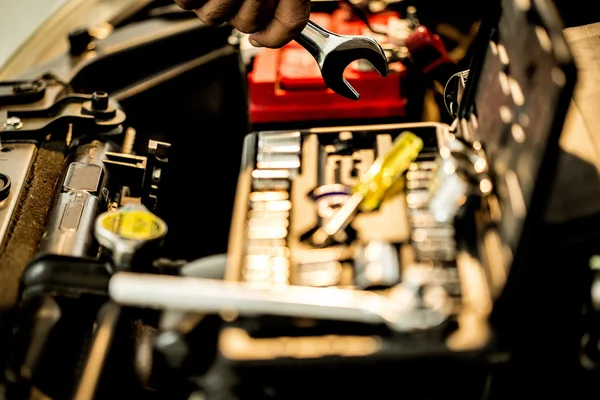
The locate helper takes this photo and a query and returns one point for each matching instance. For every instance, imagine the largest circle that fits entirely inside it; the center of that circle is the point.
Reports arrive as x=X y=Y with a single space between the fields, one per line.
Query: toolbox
x=458 y=231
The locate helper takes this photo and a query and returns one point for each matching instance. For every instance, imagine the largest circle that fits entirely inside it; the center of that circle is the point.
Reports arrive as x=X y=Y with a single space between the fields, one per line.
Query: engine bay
x=214 y=222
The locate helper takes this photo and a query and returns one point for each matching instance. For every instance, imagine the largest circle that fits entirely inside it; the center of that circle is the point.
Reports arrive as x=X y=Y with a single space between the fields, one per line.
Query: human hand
x=270 y=23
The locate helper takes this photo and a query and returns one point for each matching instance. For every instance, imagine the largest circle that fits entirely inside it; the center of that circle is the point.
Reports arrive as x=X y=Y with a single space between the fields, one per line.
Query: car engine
x=213 y=222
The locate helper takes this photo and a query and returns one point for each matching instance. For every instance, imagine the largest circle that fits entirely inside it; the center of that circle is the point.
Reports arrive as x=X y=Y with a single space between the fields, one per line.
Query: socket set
x=293 y=183
x=431 y=239
x=266 y=259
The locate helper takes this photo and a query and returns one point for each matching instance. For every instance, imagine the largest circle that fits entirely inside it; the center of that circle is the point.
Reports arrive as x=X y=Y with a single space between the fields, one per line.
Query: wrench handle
x=314 y=38
x=211 y=296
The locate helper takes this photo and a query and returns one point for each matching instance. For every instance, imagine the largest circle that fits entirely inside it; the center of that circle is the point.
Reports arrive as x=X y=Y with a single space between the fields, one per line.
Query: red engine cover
x=286 y=84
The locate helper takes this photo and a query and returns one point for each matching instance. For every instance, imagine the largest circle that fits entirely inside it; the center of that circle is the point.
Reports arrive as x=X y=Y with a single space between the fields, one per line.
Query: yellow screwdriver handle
x=387 y=170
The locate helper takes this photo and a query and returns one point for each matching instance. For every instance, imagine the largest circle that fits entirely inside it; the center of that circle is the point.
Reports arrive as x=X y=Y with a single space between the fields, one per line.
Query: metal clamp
x=95 y=113
x=157 y=161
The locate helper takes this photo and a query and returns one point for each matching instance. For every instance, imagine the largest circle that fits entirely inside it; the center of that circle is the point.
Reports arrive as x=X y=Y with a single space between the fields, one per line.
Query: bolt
x=13 y=123
x=411 y=11
x=377 y=6
x=173 y=348
x=80 y=40
x=128 y=141
x=99 y=101
x=411 y=14
x=345 y=136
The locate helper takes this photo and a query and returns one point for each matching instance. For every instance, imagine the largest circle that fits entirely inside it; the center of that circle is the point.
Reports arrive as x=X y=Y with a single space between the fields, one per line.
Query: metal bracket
x=22 y=92
x=95 y=113
x=158 y=159
x=130 y=169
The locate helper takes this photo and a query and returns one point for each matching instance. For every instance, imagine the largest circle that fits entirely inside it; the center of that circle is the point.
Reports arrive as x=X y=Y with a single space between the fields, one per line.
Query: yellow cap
x=134 y=224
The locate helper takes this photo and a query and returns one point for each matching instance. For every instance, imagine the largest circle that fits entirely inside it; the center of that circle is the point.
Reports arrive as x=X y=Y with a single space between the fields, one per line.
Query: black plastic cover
x=67 y=276
x=515 y=104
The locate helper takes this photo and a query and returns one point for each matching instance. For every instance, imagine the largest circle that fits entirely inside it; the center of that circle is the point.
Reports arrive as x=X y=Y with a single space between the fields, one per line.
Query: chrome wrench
x=336 y=52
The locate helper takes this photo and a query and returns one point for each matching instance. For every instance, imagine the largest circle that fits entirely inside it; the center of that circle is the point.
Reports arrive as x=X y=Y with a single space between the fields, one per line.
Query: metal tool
x=453 y=92
x=104 y=335
x=126 y=230
x=79 y=201
x=374 y=185
x=400 y=311
x=377 y=265
x=335 y=52
x=449 y=193
x=462 y=172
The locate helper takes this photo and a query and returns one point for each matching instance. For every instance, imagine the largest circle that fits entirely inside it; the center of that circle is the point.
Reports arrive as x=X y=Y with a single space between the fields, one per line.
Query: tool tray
x=511 y=114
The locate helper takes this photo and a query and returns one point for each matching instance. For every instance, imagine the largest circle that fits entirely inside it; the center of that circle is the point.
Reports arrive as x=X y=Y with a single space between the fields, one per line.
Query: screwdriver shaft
x=339 y=221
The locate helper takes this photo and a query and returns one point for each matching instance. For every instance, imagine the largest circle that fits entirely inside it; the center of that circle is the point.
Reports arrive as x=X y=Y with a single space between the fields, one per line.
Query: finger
x=254 y=15
x=190 y=4
x=215 y=12
x=290 y=18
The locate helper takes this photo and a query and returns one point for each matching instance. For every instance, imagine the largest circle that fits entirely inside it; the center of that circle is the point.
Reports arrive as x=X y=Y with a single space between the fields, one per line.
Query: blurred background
x=19 y=19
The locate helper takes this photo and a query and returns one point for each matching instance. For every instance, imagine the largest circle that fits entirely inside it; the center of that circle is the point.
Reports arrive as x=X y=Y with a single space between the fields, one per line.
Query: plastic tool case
x=510 y=121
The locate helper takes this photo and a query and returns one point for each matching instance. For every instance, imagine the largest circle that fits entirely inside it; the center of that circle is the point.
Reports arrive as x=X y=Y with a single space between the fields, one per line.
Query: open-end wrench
x=335 y=52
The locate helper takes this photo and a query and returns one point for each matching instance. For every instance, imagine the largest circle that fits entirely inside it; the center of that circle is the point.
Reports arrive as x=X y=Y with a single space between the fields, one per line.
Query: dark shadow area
x=542 y=326
x=203 y=114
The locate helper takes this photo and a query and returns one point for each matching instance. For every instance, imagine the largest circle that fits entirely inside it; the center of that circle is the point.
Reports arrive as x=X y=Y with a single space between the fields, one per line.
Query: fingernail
x=255 y=43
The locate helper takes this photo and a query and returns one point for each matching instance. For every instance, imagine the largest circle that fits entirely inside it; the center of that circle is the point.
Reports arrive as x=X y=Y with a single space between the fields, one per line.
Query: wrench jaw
x=342 y=87
x=336 y=61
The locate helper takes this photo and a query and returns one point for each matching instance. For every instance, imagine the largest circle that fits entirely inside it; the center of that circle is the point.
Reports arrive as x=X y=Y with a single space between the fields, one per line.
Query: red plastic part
x=427 y=49
x=286 y=84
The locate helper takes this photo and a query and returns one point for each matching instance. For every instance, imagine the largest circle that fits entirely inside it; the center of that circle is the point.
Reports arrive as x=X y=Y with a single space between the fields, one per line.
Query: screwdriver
x=373 y=185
